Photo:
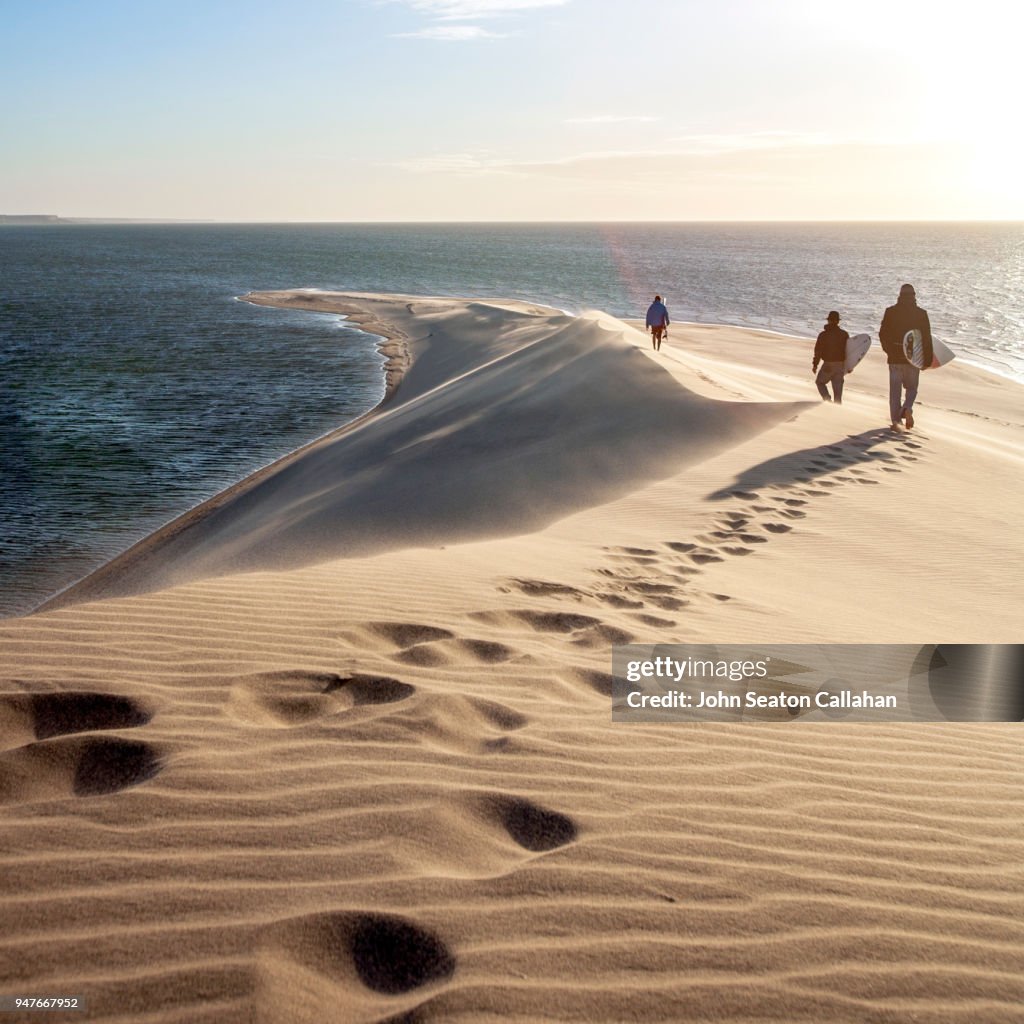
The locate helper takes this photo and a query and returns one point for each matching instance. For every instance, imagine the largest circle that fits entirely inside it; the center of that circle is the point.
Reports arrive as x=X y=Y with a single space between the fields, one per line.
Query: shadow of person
x=811 y=464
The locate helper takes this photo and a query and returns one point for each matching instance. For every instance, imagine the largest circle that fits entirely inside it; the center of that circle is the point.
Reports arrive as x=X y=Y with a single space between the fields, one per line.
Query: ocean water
x=134 y=385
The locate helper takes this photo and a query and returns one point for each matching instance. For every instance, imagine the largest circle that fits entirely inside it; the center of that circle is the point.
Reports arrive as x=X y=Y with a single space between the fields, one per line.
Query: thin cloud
x=451 y=33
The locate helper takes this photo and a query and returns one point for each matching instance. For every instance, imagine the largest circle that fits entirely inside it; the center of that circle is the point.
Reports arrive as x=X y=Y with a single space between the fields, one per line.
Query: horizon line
x=22 y=220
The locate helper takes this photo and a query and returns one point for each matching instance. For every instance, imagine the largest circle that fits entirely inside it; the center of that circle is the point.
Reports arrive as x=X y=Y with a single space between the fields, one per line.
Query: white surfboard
x=856 y=349
x=913 y=349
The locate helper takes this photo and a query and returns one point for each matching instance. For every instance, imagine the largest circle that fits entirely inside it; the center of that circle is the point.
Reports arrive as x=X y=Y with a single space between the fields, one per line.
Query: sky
x=511 y=110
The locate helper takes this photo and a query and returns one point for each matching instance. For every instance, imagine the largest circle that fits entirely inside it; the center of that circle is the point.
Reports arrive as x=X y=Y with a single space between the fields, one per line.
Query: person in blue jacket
x=657 y=321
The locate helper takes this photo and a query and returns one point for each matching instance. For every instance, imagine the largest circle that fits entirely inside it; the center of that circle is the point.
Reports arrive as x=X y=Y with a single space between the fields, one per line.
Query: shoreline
x=390 y=342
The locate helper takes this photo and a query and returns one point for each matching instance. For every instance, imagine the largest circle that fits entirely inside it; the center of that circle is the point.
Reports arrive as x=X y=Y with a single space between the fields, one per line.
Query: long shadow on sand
x=880 y=446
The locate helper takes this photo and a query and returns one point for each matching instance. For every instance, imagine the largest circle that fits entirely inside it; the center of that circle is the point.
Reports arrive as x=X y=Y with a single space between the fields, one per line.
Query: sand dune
x=376 y=778
x=507 y=420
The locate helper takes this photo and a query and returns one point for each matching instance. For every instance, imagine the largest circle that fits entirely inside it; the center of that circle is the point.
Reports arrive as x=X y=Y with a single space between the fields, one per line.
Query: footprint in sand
x=585 y=630
x=600 y=682
x=108 y=765
x=488 y=652
x=80 y=766
x=533 y=827
x=643 y=587
x=430 y=646
x=777 y=527
x=423 y=656
x=705 y=557
x=556 y=622
x=733 y=524
x=544 y=588
x=40 y=716
x=655 y=621
x=406 y=634
x=618 y=601
x=679 y=546
x=363 y=961
x=295 y=697
x=602 y=636
x=394 y=956
x=499 y=715
x=363 y=688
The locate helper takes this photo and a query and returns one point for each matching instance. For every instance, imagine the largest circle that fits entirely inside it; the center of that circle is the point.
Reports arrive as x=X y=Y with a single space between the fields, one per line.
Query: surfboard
x=913 y=350
x=856 y=349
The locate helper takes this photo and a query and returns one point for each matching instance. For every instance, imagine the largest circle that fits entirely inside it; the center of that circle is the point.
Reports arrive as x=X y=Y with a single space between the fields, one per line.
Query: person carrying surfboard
x=904 y=376
x=657 y=321
x=830 y=351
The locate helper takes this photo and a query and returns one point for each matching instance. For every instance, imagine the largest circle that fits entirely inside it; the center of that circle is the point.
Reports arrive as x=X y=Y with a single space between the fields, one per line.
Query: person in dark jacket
x=830 y=351
x=905 y=316
x=657 y=321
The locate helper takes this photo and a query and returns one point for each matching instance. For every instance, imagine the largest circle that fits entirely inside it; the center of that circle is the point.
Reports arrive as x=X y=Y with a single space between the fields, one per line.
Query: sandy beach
x=337 y=745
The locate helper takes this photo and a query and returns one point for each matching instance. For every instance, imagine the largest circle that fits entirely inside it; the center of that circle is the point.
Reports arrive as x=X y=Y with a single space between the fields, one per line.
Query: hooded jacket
x=905 y=316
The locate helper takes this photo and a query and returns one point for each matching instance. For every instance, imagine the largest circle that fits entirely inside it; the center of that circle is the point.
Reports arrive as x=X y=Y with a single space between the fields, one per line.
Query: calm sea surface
x=133 y=384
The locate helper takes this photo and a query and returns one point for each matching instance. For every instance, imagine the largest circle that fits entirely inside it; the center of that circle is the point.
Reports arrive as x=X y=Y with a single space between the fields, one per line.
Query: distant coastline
x=42 y=219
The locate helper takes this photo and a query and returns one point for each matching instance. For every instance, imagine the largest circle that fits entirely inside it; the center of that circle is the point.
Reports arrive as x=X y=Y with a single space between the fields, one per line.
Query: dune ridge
x=505 y=419
x=386 y=787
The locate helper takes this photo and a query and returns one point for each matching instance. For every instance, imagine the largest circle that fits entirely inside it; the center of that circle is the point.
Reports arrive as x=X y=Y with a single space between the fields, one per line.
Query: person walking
x=906 y=315
x=657 y=321
x=830 y=351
